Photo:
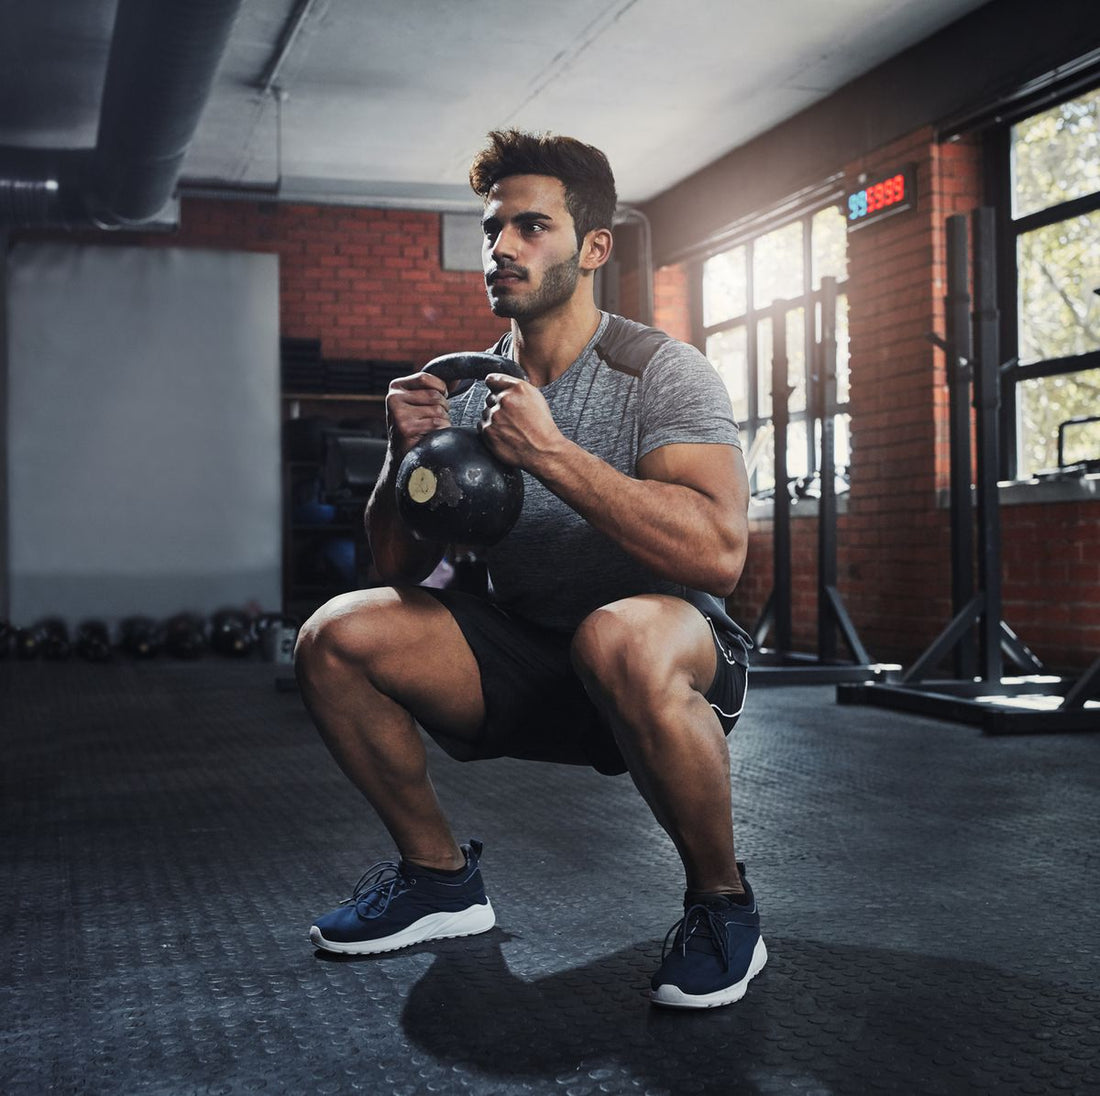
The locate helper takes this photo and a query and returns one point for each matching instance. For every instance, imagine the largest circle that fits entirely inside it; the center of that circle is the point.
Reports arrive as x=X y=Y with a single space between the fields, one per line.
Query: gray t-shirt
x=632 y=390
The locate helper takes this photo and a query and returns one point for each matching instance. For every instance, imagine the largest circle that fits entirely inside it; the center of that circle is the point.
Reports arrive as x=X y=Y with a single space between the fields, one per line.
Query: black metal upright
x=959 y=352
x=987 y=388
x=781 y=543
x=780 y=664
x=832 y=616
x=825 y=390
x=5 y=588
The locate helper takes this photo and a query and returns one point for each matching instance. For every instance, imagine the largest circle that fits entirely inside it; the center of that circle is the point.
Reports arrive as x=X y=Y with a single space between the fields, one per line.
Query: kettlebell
x=450 y=488
x=93 y=641
x=231 y=633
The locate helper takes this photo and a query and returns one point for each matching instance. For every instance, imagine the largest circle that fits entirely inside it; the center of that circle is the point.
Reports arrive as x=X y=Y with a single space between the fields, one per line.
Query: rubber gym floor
x=170 y=830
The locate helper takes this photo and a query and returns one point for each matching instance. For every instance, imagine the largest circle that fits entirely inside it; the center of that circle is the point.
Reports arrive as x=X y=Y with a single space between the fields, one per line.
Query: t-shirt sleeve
x=683 y=400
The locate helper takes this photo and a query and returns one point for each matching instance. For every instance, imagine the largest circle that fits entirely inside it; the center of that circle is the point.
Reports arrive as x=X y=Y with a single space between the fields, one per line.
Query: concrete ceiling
x=386 y=102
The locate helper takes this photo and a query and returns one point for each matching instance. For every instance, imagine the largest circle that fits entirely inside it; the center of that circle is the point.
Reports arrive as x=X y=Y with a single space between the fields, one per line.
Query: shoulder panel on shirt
x=628 y=347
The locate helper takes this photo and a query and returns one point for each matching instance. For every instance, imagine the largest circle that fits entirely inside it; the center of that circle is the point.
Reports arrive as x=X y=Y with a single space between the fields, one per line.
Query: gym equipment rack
x=780 y=665
x=979 y=693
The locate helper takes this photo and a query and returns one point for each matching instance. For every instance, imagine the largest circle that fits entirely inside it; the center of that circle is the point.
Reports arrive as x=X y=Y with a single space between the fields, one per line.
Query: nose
x=504 y=246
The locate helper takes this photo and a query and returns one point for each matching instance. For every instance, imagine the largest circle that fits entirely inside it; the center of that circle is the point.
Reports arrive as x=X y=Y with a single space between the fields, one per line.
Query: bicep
x=717 y=472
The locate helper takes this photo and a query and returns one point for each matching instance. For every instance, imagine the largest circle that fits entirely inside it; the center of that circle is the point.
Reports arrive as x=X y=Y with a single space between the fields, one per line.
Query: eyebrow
x=526 y=217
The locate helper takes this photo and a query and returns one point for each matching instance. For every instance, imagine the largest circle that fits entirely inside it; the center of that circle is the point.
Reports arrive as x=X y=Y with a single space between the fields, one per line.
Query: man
x=605 y=642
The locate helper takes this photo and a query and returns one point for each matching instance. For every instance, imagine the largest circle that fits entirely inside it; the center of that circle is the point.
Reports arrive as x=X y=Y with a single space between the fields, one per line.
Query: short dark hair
x=583 y=170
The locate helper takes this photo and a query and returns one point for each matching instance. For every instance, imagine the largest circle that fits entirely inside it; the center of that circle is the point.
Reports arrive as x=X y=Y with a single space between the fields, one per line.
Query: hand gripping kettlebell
x=450 y=488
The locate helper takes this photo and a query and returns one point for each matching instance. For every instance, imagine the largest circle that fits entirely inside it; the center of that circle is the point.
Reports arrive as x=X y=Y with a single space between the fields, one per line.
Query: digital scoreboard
x=882 y=197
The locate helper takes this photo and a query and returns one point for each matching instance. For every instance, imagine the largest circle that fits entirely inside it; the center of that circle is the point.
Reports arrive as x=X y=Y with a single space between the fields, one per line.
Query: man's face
x=529 y=250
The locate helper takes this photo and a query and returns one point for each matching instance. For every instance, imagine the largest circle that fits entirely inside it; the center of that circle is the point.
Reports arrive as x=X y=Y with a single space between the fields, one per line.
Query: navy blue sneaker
x=397 y=904
x=716 y=950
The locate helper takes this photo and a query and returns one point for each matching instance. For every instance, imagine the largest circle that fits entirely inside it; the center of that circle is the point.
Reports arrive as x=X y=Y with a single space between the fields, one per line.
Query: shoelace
x=378 y=886
x=696 y=918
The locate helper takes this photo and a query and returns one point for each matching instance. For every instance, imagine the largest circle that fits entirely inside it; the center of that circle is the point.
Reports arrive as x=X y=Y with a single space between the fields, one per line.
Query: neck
x=546 y=346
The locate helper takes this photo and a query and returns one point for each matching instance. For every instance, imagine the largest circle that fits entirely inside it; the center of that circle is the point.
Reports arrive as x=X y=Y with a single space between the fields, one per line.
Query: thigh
x=406 y=645
x=649 y=642
x=642 y=651
x=535 y=705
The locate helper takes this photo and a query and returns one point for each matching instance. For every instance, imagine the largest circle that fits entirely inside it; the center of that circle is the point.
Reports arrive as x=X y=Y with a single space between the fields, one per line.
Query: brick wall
x=900 y=595
x=898 y=587
x=671 y=301
x=1051 y=577
x=367 y=282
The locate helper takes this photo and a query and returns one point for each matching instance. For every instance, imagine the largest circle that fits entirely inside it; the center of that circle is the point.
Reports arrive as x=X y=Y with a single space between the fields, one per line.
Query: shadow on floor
x=818 y=1018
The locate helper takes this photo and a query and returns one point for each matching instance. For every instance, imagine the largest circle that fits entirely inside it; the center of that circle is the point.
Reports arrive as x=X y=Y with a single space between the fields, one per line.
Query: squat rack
x=979 y=693
x=781 y=664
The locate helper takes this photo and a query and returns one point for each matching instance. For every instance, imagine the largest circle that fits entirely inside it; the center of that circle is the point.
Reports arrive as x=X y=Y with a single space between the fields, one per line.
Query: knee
x=612 y=650
x=337 y=636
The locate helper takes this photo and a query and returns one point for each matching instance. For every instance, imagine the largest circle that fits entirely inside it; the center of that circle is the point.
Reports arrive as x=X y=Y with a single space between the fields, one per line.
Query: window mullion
x=751 y=364
x=1064 y=211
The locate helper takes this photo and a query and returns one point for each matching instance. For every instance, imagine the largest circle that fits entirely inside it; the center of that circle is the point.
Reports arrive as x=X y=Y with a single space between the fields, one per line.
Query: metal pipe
x=161 y=68
x=287 y=37
x=162 y=64
x=645 y=258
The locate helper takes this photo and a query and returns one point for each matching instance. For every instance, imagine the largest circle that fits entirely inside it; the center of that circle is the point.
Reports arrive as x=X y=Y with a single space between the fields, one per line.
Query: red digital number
x=877 y=196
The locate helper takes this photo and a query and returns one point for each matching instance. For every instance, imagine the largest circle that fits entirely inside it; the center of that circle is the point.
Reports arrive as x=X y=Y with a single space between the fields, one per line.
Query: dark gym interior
x=227 y=227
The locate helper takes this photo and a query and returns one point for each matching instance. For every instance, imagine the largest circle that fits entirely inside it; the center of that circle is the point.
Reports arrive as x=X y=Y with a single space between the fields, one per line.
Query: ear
x=596 y=249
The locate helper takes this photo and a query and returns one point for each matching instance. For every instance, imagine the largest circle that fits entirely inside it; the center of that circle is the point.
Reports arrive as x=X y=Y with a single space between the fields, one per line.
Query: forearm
x=398 y=555
x=679 y=532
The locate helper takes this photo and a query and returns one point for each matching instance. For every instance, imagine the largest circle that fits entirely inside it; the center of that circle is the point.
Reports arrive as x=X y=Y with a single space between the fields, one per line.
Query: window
x=1052 y=320
x=740 y=291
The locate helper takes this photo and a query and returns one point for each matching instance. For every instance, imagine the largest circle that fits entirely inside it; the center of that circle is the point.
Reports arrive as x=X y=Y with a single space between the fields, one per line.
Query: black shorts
x=535 y=705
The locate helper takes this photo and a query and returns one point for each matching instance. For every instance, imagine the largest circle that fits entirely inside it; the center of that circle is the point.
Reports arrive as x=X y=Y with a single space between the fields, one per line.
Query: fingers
x=501 y=382
x=419 y=382
x=516 y=421
x=499 y=385
x=492 y=405
x=415 y=406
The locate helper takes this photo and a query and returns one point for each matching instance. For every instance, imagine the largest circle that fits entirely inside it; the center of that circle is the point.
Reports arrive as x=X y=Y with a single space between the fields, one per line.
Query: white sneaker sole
x=674 y=997
x=436 y=926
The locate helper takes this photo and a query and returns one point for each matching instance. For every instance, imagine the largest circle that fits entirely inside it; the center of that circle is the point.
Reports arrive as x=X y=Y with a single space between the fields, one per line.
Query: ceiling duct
x=161 y=68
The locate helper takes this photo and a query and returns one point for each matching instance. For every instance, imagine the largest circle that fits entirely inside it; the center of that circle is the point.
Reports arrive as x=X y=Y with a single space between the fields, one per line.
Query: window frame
x=809 y=301
x=997 y=163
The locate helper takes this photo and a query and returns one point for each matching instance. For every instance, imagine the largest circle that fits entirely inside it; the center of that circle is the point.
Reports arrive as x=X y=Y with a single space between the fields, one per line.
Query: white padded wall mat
x=143 y=431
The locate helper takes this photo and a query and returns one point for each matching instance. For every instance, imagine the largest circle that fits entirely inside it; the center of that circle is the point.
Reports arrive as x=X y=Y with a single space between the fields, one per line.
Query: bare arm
x=684 y=517
x=415 y=406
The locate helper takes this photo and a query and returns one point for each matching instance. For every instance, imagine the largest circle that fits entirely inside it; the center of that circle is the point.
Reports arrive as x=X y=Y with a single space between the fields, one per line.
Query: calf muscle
x=370 y=665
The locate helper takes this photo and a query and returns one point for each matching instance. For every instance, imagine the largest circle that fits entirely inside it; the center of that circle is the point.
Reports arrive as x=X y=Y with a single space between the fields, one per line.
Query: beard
x=556 y=288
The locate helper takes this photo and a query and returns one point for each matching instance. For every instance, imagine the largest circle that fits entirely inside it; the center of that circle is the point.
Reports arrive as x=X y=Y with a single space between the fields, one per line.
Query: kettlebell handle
x=472 y=367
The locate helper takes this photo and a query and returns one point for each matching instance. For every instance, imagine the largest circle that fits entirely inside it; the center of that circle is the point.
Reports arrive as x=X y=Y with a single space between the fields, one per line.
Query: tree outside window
x=740 y=290
x=1054 y=161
